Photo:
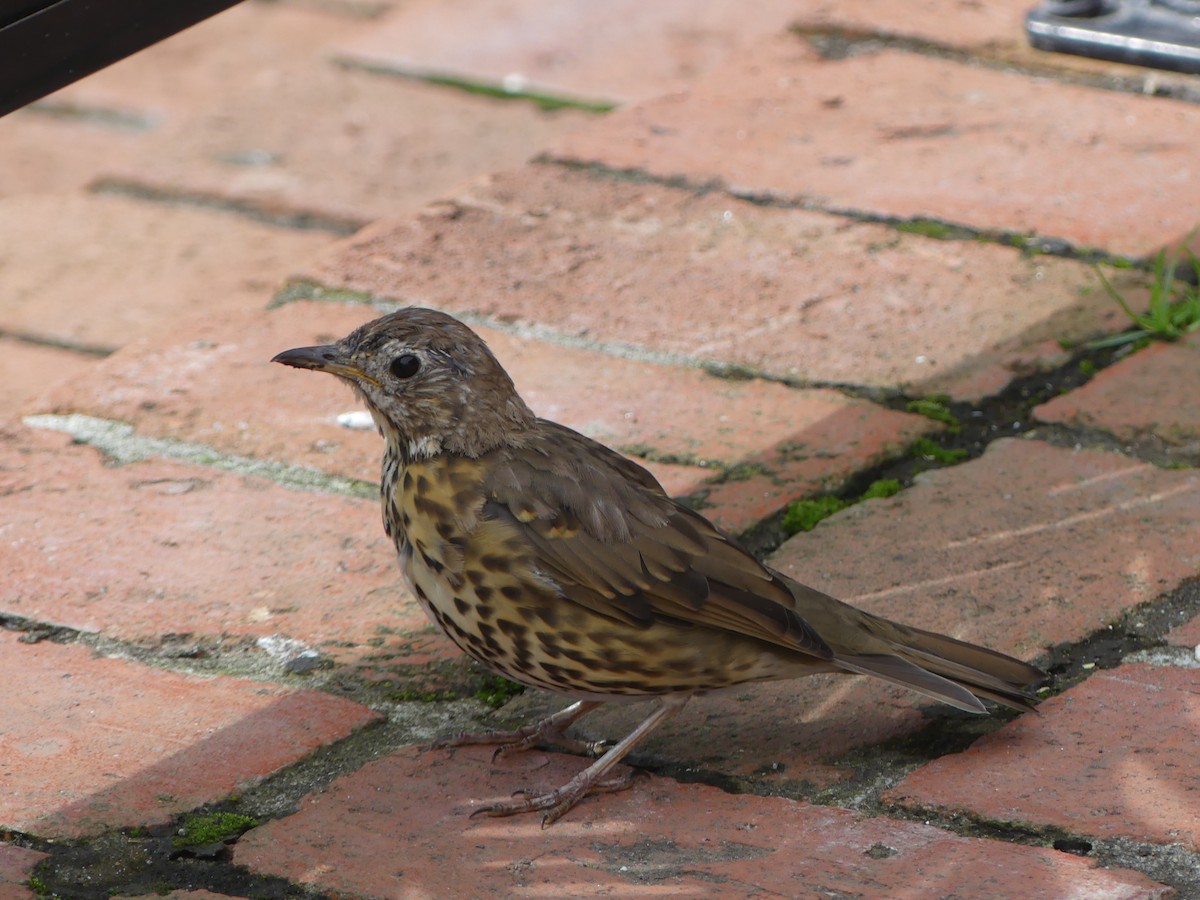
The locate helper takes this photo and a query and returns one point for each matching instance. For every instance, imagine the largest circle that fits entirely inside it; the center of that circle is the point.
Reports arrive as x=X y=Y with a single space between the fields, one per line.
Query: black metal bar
x=47 y=44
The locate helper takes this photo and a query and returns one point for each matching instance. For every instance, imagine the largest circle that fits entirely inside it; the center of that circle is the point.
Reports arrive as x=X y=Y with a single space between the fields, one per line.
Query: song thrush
x=564 y=566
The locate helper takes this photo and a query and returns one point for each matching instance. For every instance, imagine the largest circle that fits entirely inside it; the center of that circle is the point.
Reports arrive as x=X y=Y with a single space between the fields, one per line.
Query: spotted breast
x=477 y=577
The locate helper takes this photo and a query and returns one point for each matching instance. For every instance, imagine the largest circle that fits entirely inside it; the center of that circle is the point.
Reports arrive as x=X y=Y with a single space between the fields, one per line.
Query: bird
x=560 y=564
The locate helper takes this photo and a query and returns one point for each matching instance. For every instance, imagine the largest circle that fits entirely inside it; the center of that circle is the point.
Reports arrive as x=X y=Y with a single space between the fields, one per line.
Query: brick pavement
x=787 y=229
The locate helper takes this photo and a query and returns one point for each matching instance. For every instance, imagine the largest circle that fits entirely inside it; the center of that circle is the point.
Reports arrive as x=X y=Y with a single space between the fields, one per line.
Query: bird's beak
x=325 y=358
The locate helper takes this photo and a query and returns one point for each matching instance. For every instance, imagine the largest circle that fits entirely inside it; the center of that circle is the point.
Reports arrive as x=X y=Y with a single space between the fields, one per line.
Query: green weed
x=1174 y=309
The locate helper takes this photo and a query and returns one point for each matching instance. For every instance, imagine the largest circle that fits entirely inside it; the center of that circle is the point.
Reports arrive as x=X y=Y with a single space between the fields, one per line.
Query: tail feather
x=900 y=671
x=946 y=669
x=936 y=665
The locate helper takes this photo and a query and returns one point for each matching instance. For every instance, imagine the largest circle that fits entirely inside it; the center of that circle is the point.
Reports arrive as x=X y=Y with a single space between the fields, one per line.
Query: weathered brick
x=101 y=271
x=16 y=865
x=391 y=829
x=621 y=50
x=796 y=294
x=157 y=550
x=1146 y=399
x=101 y=743
x=898 y=134
x=1113 y=757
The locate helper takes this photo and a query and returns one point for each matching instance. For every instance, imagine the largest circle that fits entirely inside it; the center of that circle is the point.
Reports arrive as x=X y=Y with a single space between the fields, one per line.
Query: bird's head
x=430 y=383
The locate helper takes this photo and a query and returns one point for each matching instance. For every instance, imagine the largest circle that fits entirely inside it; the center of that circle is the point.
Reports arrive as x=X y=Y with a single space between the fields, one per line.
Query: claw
x=595 y=779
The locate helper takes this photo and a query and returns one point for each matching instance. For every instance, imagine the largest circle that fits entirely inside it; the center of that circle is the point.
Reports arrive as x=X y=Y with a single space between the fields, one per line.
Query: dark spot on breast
x=512 y=592
x=431 y=508
x=408 y=481
x=483 y=592
x=494 y=563
x=423 y=484
x=574 y=654
x=475 y=577
x=484 y=611
x=548 y=615
x=623 y=687
x=445 y=530
x=514 y=630
x=462 y=606
x=434 y=564
x=557 y=674
x=488 y=633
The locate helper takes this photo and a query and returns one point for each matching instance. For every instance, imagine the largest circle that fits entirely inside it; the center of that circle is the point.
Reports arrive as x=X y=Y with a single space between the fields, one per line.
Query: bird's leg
x=592 y=779
x=548 y=731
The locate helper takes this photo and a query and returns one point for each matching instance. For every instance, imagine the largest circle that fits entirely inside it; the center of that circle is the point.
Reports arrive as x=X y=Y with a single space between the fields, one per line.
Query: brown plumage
x=564 y=566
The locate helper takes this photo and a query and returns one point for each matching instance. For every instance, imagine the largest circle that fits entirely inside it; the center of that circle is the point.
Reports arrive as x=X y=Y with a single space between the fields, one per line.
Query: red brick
x=796 y=294
x=1148 y=395
x=16 y=865
x=359 y=146
x=49 y=154
x=1113 y=757
x=1053 y=541
x=103 y=270
x=1027 y=547
x=803 y=439
x=621 y=50
x=960 y=23
x=101 y=743
x=28 y=370
x=985 y=148
x=249 y=47
x=156 y=548
x=392 y=828
x=1187 y=635
x=993 y=30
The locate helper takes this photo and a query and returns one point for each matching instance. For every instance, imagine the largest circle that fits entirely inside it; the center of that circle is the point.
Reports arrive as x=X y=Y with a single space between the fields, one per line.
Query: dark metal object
x=1163 y=34
x=47 y=44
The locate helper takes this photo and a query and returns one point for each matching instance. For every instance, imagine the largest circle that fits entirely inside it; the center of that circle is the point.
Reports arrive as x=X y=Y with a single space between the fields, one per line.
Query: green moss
x=928 y=228
x=307 y=289
x=928 y=449
x=1087 y=367
x=744 y=472
x=38 y=886
x=884 y=487
x=495 y=691
x=209 y=829
x=545 y=102
x=406 y=695
x=803 y=515
x=935 y=408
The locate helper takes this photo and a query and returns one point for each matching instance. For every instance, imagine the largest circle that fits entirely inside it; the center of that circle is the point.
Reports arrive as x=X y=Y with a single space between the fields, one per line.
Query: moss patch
x=199 y=831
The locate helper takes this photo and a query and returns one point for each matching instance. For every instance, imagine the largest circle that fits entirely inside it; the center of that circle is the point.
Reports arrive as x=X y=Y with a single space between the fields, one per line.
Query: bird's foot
x=548 y=731
x=559 y=802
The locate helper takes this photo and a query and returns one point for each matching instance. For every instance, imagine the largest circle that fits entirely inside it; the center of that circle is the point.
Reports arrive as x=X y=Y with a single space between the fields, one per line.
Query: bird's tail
x=946 y=669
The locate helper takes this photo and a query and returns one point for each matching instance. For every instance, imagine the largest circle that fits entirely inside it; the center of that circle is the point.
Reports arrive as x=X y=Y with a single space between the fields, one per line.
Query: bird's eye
x=405 y=366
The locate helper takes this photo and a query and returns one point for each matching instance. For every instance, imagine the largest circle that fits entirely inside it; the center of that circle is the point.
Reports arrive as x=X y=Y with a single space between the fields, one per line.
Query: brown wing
x=602 y=528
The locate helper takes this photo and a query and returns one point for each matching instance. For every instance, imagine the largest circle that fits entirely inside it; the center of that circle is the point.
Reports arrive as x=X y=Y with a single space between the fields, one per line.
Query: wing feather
x=603 y=529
